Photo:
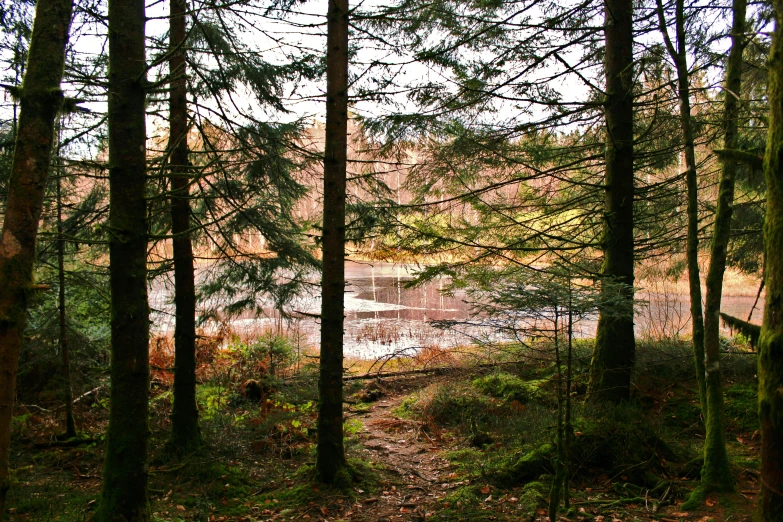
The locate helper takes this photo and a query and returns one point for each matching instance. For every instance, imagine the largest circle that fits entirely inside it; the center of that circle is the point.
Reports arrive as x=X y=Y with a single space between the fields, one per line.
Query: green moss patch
x=510 y=387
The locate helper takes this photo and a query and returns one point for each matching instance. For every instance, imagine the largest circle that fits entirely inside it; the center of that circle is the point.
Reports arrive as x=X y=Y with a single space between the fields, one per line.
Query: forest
x=404 y=260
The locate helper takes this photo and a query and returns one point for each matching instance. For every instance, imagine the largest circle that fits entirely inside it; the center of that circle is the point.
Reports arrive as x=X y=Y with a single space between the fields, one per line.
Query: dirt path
x=413 y=471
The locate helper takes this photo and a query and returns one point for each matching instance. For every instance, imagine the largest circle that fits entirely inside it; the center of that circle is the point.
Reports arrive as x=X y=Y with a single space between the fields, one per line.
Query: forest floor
x=472 y=444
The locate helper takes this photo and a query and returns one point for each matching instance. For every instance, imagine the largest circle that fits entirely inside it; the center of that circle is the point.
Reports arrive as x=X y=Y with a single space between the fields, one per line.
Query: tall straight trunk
x=330 y=453
x=770 y=502
x=680 y=58
x=185 y=432
x=569 y=428
x=40 y=101
x=715 y=474
x=124 y=491
x=559 y=481
x=70 y=425
x=615 y=345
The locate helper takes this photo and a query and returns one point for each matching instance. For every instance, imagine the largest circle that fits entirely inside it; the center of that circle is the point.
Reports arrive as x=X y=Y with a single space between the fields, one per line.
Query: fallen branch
x=70 y=443
x=423 y=371
x=379 y=375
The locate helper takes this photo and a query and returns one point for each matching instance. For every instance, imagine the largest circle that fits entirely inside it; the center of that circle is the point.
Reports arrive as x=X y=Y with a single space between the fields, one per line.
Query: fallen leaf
x=680 y=514
x=485 y=490
x=180 y=508
x=710 y=502
x=488 y=499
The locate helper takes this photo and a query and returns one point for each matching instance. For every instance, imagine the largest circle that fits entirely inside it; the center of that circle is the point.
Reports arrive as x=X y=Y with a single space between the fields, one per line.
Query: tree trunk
x=70 y=425
x=124 y=491
x=558 y=482
x=680 y=58
x=330 y=453
x=185 y=432
x=770 y=502
x=41 y=100
x=615 y=346
x=716 y=475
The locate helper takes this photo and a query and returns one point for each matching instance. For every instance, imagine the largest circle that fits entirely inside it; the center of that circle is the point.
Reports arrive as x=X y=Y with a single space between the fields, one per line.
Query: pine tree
x=185 y=432
x=679 y=56
x=70 y=424
x=40 y=101
x=330 y=453
x=770 y=502
x=716 y=475
x=615 y=345
x=124 y=493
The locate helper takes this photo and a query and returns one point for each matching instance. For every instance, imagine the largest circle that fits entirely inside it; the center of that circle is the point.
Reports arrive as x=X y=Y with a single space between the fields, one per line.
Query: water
x=383 y=317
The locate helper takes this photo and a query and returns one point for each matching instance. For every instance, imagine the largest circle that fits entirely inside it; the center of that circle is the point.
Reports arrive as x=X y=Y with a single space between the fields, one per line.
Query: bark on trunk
x=615 y=347
x=124 y=491
x=680 y=58
x=330 y=453
x=716 y=475
x=185 y=432
x=770 y=502
x=41 y=99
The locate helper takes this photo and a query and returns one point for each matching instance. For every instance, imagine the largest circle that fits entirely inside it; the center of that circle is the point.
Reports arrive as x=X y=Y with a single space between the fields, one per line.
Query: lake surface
x=384 y=317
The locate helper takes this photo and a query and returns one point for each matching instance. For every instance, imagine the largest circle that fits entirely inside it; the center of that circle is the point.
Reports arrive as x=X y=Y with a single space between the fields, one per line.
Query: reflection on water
x=382 y=316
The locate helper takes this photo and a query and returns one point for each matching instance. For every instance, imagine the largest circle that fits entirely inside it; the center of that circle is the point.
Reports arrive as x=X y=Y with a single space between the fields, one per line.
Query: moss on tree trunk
x=770 y=502
x=41 y=100
x=615 y=347
x=716 y=475
x=330 y=453
x=679 y=56
x=185 y=431
x=124 y=493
